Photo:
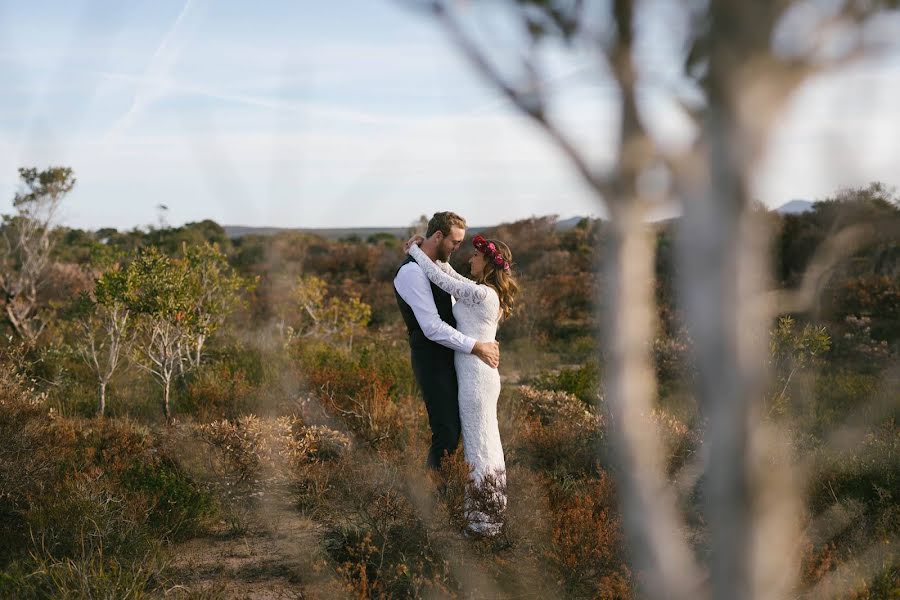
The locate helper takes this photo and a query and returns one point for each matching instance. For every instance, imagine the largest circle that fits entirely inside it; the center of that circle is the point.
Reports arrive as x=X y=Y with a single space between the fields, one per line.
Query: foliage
x=792 y=350
x=103 y=333
x=582 y=382
x=85 y=505
x=587 y=543
x=26 y=245
x=364 y=387
x=324 y=317
x=213 y=292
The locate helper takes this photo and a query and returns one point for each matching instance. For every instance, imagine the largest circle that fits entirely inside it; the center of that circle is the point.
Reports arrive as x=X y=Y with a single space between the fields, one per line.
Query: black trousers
x=435 y=373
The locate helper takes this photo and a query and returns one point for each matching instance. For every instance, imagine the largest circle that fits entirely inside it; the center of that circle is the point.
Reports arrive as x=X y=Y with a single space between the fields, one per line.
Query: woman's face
x=476 y=264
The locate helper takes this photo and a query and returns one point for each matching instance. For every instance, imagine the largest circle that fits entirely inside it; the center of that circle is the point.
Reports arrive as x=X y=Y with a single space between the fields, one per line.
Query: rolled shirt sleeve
x=415 y=289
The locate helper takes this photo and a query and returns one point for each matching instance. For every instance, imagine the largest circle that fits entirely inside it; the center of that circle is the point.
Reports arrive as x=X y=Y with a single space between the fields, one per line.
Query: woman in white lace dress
x=480 y=306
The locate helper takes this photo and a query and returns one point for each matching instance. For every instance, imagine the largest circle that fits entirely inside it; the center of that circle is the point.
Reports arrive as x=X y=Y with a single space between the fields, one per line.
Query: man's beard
x=442 y=254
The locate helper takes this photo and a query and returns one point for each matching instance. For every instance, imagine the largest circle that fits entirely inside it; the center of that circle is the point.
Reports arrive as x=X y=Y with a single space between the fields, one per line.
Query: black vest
x=444 y=307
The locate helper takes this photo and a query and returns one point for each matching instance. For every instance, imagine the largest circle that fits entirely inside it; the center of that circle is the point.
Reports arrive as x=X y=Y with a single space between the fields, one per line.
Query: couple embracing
x=452 y=323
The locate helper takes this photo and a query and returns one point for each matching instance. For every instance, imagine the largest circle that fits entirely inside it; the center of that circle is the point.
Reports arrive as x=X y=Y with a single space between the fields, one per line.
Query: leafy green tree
x=160 y=294
x=321 y=316
x=792 y=350
x=26 y=246
x=214 y=291
x=103 y=327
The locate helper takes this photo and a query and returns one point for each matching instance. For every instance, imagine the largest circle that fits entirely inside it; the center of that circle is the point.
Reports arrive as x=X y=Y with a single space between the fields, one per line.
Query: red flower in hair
x=489 y=249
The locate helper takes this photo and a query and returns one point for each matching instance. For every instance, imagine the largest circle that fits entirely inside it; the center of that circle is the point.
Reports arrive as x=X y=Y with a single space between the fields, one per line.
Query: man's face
x=449 y=243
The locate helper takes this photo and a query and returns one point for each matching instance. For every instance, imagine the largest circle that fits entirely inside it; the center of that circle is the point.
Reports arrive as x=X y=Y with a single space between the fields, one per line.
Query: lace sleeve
x=449 y=270
x=464 y=290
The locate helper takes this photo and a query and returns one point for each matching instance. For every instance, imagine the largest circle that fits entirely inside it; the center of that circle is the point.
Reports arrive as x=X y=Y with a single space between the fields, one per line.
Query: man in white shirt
x=428 y=313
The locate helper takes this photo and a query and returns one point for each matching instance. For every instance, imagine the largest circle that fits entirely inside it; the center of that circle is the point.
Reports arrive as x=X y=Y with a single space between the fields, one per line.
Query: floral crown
x=491 y=251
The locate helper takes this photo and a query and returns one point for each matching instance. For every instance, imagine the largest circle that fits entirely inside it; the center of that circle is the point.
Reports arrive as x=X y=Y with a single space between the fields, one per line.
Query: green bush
x=369 y=388
x=178 y=506
x=582 y=382
x=92 y=576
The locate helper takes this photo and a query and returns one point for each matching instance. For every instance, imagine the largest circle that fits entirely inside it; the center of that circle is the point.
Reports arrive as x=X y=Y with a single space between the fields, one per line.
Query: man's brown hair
x=443 y=221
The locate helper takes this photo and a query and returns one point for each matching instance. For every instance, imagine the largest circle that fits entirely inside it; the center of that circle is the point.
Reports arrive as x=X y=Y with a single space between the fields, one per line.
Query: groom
x=428 y=313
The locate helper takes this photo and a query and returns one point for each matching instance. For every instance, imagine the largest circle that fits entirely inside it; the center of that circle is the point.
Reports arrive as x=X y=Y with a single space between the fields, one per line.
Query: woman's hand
x=416 y=239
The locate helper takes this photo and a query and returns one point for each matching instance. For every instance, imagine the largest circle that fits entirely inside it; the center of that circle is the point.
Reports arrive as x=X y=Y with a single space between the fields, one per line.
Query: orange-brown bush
x=368 y=388
x=218 y=391
x=249 y=456
x=379 y=544
x=78 y=495
x=587 y=544
x=250 y=448
x=30 y=448
x=679 y=441
x=561 y=435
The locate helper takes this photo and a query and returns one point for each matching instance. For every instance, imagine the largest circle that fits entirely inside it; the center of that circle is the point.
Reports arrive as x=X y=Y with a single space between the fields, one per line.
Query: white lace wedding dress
x=477 y=313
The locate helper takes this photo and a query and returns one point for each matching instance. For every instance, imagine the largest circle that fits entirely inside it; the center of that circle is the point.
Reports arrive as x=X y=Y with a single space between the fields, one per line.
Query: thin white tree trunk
x=648 y=501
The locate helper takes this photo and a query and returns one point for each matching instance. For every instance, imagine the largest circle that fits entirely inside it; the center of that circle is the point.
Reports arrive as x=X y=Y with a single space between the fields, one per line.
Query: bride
x=481 y=305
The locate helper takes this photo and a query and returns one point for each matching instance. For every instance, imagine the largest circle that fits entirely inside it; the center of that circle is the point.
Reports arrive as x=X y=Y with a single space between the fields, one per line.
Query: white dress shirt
x=414 y=287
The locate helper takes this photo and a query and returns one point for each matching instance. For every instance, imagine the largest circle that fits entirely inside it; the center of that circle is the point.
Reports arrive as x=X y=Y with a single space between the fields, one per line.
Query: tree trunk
x=649 y=504
x=201 y=339
x=166 y=388
x=102 y=407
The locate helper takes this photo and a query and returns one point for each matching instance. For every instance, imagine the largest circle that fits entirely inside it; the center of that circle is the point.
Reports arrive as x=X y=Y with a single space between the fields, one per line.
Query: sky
x=356 y=113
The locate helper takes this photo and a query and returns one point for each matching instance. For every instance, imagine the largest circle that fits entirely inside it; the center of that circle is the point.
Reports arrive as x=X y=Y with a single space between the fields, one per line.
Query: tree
x=737 y=82
x=213 y=291
x=103 y=327
x=791 y=351
x=419 y=226
x=324 y=317
x=26 y=245
x=160 y=294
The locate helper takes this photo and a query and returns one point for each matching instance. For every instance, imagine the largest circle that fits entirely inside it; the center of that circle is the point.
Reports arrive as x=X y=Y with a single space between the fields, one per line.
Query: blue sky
x=349 y=113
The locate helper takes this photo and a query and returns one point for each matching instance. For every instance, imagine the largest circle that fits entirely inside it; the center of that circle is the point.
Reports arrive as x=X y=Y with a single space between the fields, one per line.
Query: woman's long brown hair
x=501 y=280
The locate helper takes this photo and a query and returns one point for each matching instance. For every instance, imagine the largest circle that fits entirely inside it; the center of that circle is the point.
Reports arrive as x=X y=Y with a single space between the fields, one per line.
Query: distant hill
x=236 y=231
x=794 y=207
x=568 y=223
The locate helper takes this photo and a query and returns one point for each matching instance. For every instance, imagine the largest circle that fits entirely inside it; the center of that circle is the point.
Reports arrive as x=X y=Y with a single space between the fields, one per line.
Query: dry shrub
x=463 y=499
x=112 y=445
x=817 y=562
x=587 y=545
x=249 y=445
x=242 y=445
x=379 y=544
x=679 y=441
x=218 y=391
x=30 y=449
x=316 y=444
x=249 y=454
x=550 y=407
x=561 y=435
x=827 y=571
x=368 y=388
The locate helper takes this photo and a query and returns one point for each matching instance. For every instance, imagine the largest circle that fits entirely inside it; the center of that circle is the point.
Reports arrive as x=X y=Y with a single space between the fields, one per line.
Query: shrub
x=582 y=382
x=178 y=506
x=217 y=391
x=92 y=576
x=587 y=546
x=561 y=435
x=364 y=387
x=380 y=546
